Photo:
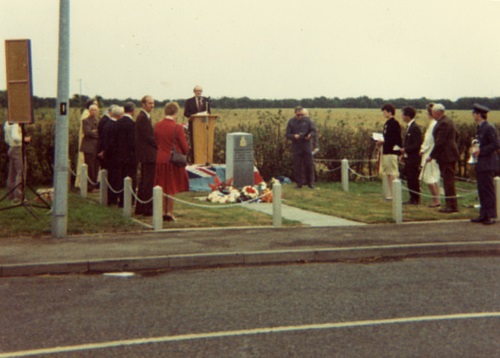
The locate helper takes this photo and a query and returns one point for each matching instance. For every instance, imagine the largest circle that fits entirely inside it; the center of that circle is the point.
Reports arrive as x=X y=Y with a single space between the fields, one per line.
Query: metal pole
x=60 y=207
x=277 y=219
x=345 y=175
x=397 y=201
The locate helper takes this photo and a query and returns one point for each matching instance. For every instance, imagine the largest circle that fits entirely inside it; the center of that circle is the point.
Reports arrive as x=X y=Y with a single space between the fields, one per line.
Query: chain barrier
x=349 y=160
x=113 y=189
x=361 y=175
x=91 y=182
x=137 y=198
x=330 y=170
x=469 y=193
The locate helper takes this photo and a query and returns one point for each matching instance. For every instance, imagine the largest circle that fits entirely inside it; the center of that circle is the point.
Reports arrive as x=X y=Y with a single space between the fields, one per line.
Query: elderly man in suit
x=193 y=105
x=145 y=151
x=446 y=154
x=486 y=164
x=411 y=154
x=89 y=143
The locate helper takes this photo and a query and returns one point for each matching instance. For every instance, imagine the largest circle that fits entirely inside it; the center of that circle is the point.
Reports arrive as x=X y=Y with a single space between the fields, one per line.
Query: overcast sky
x=264 y=48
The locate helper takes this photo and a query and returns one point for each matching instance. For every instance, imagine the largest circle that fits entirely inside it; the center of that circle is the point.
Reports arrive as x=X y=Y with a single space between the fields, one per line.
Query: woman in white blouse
x=430 y=173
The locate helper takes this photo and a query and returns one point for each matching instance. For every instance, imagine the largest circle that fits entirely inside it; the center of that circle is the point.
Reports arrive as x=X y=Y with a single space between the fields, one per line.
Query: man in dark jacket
x=446 y=154
x=300 y=130
x=194 y=105
x=411 y=154
x=145 y=150
x=125 y=148
x=486 y=165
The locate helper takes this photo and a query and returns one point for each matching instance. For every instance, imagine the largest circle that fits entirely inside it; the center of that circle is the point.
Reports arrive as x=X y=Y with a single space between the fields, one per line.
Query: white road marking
x=246 y=332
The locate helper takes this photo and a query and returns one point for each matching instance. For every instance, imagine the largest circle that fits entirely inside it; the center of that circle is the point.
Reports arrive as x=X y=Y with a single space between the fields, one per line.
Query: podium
x=203 y=126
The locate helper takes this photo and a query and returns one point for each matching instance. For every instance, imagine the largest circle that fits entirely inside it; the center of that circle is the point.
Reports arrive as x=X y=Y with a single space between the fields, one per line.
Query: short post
x=84 y=183
x=127 y=197
x=277 y=220
x=497 y=191
x=103 y=188
x=345 y=175
x=385 y=186
x=157 y=208
x=397 y=201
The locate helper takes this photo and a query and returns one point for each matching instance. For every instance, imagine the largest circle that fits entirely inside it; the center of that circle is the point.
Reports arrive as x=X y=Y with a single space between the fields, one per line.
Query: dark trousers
x=302 y=167
x=412 y=168
x=448 y=175
x=92 y=169
x=127 y=170
x=145 y=189
x=487 y=196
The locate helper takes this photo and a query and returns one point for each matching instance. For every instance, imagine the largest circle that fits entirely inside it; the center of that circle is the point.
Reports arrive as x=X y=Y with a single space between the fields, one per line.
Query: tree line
x=77 y=101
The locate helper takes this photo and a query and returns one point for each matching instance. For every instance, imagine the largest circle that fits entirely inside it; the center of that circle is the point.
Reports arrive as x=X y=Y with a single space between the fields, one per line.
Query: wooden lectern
x=203 y=137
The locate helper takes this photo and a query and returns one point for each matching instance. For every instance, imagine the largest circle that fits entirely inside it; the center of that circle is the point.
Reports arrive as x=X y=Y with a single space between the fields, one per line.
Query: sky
x=270 y=49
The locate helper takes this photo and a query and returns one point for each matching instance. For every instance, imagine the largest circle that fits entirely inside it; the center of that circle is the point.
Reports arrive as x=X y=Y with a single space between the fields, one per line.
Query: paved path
x=306 y=217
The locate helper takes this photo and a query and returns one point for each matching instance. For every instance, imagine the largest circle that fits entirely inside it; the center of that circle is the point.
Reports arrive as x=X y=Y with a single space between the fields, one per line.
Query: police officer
x=486 y=164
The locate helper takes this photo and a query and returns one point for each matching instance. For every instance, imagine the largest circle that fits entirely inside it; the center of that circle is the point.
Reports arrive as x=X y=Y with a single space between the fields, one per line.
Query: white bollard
x=497 y=191
x=103 y=188
x=157 y=208
x=84 y=181
x=127 y=197
x=397 y=201
x=385 y=186
x=277 y=220
x=345 y=175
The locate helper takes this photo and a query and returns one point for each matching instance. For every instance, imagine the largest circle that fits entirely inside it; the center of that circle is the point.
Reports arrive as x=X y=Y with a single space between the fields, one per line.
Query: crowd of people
x=426 y=158
x=134 y=148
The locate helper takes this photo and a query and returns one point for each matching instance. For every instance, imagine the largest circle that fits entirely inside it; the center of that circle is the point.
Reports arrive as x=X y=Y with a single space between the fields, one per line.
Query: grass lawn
x=363 y=202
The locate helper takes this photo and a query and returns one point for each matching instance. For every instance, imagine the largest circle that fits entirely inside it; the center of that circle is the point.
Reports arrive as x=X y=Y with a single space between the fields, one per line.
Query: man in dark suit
x=145 y=151
x=486 y=165
x=446 y=154
x=100 y=142
x=300 y=130
x=89 y=145
x=411 y=154
x=194 y=105
x=125 y=148
x=109 y=154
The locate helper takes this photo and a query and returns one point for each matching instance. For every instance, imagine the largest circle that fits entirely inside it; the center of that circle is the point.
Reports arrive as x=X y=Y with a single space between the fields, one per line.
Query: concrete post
x=385 y=187
x=84 y=183
x=397 y=201
x=497 y=191
x=345 y=175
x=157 y=208
x=127 y=197
x=103 y=188
x=277 y=219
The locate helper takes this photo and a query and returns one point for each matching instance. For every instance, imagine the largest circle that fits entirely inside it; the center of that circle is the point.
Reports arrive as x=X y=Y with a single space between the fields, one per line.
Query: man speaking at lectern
x=194 y=105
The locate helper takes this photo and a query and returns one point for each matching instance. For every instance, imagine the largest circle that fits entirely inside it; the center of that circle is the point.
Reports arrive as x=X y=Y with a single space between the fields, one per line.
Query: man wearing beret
x=446 y=154
x=486 y=164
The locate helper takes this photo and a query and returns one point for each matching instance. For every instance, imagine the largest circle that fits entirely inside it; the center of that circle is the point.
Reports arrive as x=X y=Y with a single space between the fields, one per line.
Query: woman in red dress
x=172 y=178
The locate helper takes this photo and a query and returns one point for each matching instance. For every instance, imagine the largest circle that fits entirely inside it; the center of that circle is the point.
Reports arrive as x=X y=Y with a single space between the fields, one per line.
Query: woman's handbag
x=177 y=158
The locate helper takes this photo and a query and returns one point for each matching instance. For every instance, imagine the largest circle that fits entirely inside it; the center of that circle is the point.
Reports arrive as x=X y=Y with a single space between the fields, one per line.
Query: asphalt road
x=432 y=307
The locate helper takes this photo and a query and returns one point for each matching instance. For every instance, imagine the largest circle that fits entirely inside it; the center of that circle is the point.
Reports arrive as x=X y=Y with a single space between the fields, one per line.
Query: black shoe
x=448 y=210
x=477 y=220
x=488 y=221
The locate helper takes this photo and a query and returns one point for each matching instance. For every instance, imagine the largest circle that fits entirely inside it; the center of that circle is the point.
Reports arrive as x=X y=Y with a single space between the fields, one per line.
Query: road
x=432 y=307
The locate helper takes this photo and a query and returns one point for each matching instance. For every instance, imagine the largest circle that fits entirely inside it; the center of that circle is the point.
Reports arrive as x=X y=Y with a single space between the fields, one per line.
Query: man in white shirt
x=13 y=138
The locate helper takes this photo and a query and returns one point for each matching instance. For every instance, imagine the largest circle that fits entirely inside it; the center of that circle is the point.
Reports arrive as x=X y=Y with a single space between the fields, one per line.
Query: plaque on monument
x=239 y=159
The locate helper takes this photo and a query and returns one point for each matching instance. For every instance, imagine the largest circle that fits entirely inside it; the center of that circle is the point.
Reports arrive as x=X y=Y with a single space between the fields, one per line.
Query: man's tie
x=200 y=107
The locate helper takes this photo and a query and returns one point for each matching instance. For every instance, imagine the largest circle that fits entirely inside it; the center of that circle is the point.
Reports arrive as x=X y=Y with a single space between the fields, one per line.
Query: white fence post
x=397 y=201
x=84 y=181
x=157 y=208
x=277 y=220
x=127 y=197
x=103 y=188
x=345 y=175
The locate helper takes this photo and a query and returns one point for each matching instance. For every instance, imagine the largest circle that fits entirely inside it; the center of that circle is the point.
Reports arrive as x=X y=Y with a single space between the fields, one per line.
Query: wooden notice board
x=19 y=83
